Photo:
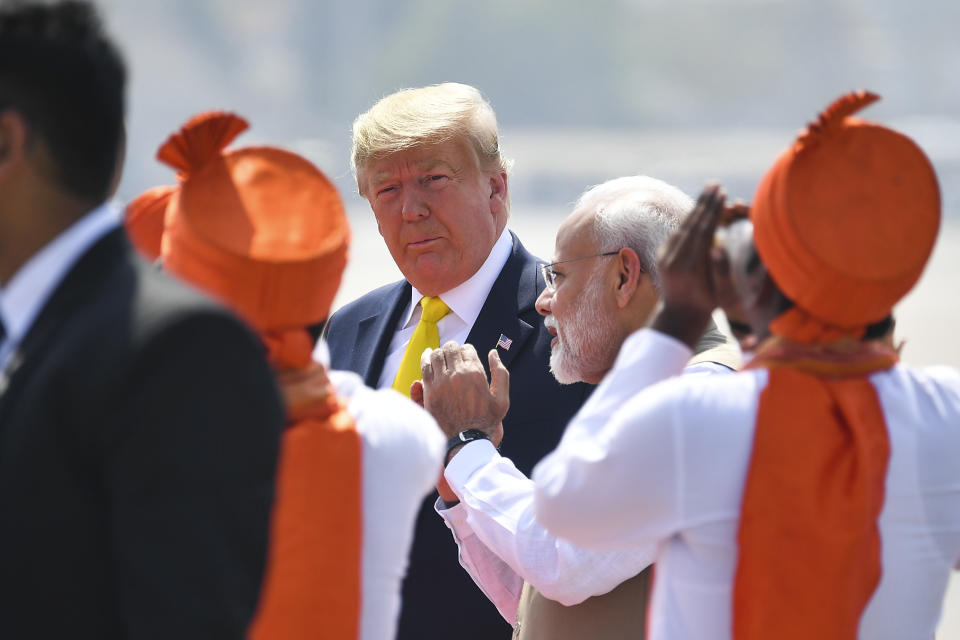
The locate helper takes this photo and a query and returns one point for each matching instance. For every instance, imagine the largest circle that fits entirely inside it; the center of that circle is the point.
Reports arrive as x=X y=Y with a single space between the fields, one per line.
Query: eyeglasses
x=550 y=276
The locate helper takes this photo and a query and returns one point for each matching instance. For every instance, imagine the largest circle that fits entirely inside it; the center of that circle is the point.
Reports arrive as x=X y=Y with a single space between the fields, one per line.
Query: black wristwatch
x=465 y=436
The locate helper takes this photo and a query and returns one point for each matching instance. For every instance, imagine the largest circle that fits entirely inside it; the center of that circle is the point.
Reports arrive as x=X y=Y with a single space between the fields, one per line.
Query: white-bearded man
x=602 y=286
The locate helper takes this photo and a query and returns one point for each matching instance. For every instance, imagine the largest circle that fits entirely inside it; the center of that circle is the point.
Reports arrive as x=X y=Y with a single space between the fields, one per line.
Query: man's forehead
x=575 y=234
x=424 y=157
x=390 y=167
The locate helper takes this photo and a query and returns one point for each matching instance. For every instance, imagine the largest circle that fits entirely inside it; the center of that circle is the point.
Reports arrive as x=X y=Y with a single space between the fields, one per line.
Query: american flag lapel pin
x=504 y=342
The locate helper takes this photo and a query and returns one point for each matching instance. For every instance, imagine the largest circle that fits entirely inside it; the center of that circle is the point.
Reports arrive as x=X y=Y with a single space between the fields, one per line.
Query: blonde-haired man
x=429 y=163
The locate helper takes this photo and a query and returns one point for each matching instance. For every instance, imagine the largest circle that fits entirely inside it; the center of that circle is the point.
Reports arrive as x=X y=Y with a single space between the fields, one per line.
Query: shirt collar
x=28 y=290
x=466 y=299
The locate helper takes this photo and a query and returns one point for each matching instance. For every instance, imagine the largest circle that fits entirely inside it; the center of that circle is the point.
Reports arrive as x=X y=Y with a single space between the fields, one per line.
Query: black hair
x=62 y=74
x=877 y=330
x=316 y=330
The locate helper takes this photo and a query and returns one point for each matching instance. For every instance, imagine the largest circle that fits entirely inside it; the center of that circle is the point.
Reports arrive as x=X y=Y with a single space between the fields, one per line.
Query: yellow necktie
x=424 y=336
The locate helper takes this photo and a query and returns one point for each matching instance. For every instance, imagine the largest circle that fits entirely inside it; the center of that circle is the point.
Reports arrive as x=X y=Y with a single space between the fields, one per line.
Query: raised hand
x=689 y=295
x=307 y=392
x=457 y=394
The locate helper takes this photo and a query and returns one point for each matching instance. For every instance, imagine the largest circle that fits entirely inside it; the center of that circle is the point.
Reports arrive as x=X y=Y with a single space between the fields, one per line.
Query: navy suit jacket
x=439 y=598
x=139 y=429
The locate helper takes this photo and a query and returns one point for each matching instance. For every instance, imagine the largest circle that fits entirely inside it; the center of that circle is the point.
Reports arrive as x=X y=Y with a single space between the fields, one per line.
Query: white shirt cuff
x=471 y=457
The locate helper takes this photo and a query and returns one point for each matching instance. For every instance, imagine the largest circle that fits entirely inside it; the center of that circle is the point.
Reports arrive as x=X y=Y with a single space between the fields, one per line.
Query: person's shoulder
x=379 y=408
x=519 y=251
x=165 y=308
x=941 y=375
x=166 y=293
x=131 y=304
x=388 y=421
x=522 y=261
x=369 y=303
x=707 y=368
x=700 y=396
x=939 y=384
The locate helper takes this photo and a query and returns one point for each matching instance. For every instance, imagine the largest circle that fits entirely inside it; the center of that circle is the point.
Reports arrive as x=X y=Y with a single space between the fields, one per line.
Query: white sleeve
x=498 y=503
x=402 y=458
x=593 y=489
x=501 y=584
x=646 y=357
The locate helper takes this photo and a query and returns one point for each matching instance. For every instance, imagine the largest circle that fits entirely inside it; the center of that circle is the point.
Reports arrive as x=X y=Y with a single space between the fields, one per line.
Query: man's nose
x=544 y=301
x=414 y=206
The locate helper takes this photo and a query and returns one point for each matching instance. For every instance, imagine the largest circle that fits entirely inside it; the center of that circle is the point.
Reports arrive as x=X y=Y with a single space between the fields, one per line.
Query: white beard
x=588 y=338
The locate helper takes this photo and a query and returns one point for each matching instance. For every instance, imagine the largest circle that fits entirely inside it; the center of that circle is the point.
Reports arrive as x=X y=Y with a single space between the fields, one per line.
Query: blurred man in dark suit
x=429 y=163
x=139 y=422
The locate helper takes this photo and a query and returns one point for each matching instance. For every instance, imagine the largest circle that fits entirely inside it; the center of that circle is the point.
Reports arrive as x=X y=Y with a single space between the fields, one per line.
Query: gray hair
x=429 y=115
x=638 y=212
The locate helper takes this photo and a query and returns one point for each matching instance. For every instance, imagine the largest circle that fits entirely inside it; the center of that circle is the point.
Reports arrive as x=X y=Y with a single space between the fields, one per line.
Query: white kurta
x=500 y=542
x=667 y=473
x=402 y=456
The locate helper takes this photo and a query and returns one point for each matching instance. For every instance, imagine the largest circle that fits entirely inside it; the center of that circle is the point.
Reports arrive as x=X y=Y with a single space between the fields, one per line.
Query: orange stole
x=809 y=544
x=312 y=587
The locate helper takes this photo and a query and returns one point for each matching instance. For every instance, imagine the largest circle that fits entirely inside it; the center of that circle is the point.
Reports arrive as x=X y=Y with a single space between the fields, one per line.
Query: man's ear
x=13 y=140
x=629 y=272
x=498 y=191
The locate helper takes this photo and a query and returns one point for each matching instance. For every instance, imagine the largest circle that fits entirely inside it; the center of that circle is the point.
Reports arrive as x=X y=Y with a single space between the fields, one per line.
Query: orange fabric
x=144 y=220
x=845 y=221
x=200 y=141
x=809 y=544
x=290 y=349
x=259 y=228
x=312 y=587
x=796 y=324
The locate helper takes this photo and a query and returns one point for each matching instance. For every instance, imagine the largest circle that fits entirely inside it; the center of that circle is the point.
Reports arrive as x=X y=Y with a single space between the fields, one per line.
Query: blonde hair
x=429 y=115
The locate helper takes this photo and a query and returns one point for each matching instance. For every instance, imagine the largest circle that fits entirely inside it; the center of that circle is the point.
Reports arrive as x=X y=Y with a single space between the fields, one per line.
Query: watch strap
x=465 y=436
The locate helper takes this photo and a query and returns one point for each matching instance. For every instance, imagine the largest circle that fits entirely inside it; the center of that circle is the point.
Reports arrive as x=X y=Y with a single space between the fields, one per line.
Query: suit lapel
x=508 y=307
x=74 y=290
x=375 y=332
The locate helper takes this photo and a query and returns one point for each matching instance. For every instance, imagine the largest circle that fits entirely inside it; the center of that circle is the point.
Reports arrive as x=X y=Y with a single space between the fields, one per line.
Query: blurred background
x=683 y=90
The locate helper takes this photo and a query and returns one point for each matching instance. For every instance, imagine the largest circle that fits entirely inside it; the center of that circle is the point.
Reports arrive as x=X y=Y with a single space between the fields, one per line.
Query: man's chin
x=559 y=367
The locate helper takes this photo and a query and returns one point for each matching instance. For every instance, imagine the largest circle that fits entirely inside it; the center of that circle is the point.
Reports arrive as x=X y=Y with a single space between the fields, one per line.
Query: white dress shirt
x=465 y=302
x=402 y=455
x=667 y=472
x=32 y=285
x=500 y=542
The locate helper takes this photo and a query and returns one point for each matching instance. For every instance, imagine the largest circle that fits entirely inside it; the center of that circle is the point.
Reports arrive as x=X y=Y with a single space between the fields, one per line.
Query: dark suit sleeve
x=192 y=477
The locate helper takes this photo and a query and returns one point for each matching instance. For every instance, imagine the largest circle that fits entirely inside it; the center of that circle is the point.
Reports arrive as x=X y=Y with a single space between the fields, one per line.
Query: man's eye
x=382 y=191
x=437 y=179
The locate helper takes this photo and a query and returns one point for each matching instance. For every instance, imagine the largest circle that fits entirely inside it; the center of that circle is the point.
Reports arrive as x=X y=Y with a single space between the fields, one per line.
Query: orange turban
x=845 y=221
x=144 y=219
x=260 y=228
